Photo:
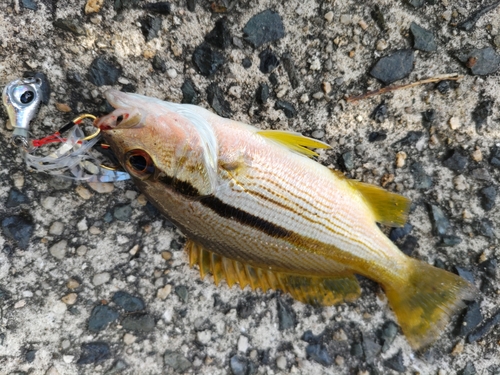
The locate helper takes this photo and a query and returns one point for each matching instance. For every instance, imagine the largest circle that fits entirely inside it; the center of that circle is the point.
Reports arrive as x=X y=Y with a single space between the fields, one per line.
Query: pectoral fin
x=319 y=291
x=389 y=208
x=294 y=141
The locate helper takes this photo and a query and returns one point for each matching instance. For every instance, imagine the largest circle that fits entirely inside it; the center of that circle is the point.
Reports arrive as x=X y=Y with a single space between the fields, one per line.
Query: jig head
x=22 y=98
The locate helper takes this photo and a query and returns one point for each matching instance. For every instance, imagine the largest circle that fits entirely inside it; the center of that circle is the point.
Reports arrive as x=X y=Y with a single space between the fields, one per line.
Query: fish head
x=158 y=141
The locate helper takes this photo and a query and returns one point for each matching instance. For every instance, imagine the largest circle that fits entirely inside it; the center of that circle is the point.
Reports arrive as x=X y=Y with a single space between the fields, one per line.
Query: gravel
x=314 y=55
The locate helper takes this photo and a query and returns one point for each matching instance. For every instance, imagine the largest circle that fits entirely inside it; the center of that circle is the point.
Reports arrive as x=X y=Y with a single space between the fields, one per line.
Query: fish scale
x=259 y=212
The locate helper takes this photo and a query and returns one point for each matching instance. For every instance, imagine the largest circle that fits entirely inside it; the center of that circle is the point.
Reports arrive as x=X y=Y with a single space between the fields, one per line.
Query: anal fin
x=314 y=290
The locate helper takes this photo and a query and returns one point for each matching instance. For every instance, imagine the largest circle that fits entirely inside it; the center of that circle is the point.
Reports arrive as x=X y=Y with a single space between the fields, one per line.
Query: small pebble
x=101 y=278
x=70 y=299
x=460 y=183
x=454 y=123
x=56 y=229
x=129 y=339
x=166 y=255
x=163 y=293
x=205 y=337
x=329 y=16
x=58 y=250
x=243 y=344
x=400 y=159
x=381 y=45
x=20 y=304
x=93 y=6
x=339 y=360
x=345 y=19
x=83 y=192
x=327 y=87
x=281 y=362
x=62 y=107
x=81 y=250
x=477 y=155
x=102 y=187
x=72 y=284
x=458 y=348
x=363 y=24
x=171 y=73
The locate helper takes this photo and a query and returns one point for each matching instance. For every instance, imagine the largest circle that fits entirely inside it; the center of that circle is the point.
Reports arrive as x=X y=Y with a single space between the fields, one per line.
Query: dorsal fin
x=296 y=142
x=320 y=291
x=389 y=208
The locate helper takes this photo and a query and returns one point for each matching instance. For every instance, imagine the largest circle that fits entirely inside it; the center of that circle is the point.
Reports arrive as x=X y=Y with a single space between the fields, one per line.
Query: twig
x=383 y=90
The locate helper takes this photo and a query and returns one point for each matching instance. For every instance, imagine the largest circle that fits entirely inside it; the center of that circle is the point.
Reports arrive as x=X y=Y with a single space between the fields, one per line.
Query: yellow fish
x=258 y=211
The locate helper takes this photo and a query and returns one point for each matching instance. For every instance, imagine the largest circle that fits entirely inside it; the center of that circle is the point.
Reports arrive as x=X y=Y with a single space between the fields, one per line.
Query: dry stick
x=383 y=90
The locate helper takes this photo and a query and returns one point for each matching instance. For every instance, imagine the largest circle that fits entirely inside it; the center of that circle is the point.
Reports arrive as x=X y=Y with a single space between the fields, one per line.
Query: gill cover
x=194 y=157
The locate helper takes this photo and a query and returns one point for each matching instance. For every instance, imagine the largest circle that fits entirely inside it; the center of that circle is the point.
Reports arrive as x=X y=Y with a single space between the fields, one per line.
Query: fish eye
x=139 y=164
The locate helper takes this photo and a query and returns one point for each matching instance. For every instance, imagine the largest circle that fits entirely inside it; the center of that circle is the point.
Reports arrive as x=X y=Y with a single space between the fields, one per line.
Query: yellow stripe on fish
x=258 y=211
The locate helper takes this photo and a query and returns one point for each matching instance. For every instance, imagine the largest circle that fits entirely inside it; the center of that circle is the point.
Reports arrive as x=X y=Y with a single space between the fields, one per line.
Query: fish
x=259 y=211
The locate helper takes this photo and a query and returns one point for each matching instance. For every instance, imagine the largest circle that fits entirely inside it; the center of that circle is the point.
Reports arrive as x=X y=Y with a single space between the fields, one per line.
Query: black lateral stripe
x=225 y=210
x=230 y=212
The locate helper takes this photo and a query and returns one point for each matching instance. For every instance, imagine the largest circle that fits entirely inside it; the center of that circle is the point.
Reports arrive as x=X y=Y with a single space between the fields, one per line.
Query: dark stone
x=440 y=222
x=245 y=307
x=177 y=361
x=122 y=212
x=394 y=67
x=16 y=198
x=388 y=334
x=129 y=87
x=29 y=4
x=268 y=61
x=189 y=93
x=488 y=196
x=443 y=87
x=262 y=93
x=182 y=293
x=191 y=5
x=4 y=295
x=18 y=228
x=94 y=352
x=100 y=317
x=377 y=137
x=219 y=36
x=481 y=61
x=371 y=348
x=465 y=273
x=398 y=233
x=357 y=350
x=103 y=72
x=264 y=27
x=70 y=24
x=215 y=98
x=138 y=323
x=120 y=5
x=347 y=160
x=74 y=77
x=411 y=138
x=159 y=64
x=469 y=369
x=128 y=302
x=481 y=174
x=396 y=362
x=319 y=354
x=428 y=117
x=489 y=268
x=495 y=156
x=420 y=178
x=30 y=355
x=422 y=39
x=409 y=245
x=239 y=365
x=484 y=328
x=471 y=319
x=207 y=60
x=481 y=113
x=456 y=161
x=450 y=240
x=416 y=3
x=286 y=315
x=246 y=63
x=161 y=7
x=291 y=70
x=484 y=227
x=379 y=114
x=287 y=108
x=469 y=23
x=439 y=264
x=273 y=79
x=311 y=338
x=150 y=27
x=378 y=17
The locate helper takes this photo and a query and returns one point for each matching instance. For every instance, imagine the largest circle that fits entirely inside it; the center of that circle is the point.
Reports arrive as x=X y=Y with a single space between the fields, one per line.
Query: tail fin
x=426 y=301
